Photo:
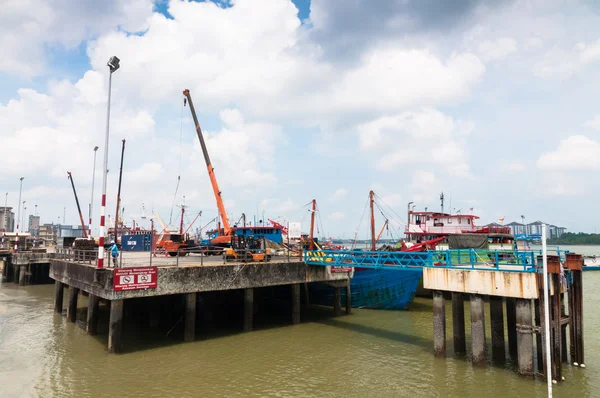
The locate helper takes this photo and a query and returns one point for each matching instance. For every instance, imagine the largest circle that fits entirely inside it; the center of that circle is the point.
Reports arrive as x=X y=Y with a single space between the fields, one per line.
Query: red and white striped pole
x=17 y=243
x=113 y=65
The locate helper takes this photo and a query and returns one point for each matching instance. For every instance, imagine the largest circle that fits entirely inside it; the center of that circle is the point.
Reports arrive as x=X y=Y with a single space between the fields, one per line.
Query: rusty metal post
x=458 y=323
x=497 y=325
x=563 y=330
x=439 y=324
x=477 y=329
x=556 y=330
x=511 y=326
x=524 y=337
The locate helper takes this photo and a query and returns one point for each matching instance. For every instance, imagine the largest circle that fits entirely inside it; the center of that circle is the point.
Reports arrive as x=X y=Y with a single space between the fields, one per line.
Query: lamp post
x=6 y=213
x=92 y=200
x=25 y=218
x=113 y=65
x=19 y=204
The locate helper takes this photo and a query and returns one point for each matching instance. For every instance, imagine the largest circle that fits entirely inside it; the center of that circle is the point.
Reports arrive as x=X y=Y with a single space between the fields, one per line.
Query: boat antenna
x=442 y=201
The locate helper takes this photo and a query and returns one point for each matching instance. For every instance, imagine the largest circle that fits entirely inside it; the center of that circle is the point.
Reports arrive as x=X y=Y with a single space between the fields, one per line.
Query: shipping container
x=136 y=243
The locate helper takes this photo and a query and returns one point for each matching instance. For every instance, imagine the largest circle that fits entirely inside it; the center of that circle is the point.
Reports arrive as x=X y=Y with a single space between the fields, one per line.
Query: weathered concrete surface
x=337 y=301
x=477 y=329
x=115 y=326
x=296 y=303
x=458 y=323
x=58 y=297
x=497 y=326
x=193 y=278
x=524 y=337
x=511 y=326
x=439 y=324
x=72 y=304
x=92 y=315
x=189 y=333
x=493 y=283
x=248 y=309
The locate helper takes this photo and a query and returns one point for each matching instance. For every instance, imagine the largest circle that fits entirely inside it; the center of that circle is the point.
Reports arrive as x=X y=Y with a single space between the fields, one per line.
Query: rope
x=359 y=224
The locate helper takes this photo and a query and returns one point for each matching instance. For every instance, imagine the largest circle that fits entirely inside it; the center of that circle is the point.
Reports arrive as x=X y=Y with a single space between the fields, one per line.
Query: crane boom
x=211 y=169
x=78 y=207
x=382 y=229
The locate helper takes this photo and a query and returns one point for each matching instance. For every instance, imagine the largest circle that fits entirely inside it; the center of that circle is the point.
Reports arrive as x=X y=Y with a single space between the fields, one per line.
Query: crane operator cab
x=247 y=248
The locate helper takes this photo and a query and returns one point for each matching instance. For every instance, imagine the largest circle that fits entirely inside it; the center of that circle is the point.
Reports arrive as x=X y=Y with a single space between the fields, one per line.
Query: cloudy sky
x=495 y=103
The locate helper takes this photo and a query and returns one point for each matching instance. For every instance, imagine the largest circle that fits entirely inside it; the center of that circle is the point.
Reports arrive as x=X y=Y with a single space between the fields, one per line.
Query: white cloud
x=497 y=49
x=416 y=136
x=338 y=195
x=515 y=166
x=424 y=187
x=576 y=152
x=29 y=26
x=593 y=123
x=561 y=64
x=337 y=216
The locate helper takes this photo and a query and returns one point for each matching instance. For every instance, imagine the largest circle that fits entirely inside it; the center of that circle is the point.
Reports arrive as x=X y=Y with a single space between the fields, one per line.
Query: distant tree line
x=580 y=238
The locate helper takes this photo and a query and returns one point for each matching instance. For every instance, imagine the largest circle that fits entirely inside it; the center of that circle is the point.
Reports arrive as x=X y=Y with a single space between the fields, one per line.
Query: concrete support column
x=248 y=309
x=524 y=337
x=72 y=304
x=189 y=332
x=439 y=324
x=337 y=301
x=92 y=314
x=58 y=296
x=497 y=324
x=458 y=323
x=511 y=326
x=23 y=275
x=477 y=329
x=306 y=295
x=115 y=326
x=296 y=303
x=348 y=299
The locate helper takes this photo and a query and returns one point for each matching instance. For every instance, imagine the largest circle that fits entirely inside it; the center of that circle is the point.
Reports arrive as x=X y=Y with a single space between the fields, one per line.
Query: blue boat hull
x=375 y=289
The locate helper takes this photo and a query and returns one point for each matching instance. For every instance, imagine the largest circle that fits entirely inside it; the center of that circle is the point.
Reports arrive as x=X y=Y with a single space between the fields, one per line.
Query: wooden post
x=58 y=296
x=458 y=323
x=92 y=314
x=248 y=309
x=348 y=299
x=511 y=326
x=497 y=324
x=524 y=337
x=563 y=330
x=115 y=326
x=477 y=329
x=337 y=301
x=189 y=332
x=439 y=324
x=295 y=303
x=72 y=304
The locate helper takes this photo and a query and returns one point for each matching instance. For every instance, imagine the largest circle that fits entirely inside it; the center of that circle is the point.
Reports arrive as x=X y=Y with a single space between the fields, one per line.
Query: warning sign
x=335 y=269
x=135 y=278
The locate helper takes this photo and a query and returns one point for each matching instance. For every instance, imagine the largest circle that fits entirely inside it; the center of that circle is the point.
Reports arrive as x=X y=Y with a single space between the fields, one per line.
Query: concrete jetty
x=146 y=277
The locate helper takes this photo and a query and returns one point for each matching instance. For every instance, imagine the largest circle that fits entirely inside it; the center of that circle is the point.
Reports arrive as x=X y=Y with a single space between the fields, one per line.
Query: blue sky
x=491 y=102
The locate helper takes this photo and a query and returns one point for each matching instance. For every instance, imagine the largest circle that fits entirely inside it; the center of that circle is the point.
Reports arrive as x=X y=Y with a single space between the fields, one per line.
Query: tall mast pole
x=373 y=237
x=91 y=207
x=311 y=243
x=119 y=192
x=19 y=203
x=78 y=207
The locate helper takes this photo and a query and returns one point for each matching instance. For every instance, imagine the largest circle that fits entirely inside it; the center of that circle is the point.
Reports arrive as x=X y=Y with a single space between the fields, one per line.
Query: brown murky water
x=370 y=353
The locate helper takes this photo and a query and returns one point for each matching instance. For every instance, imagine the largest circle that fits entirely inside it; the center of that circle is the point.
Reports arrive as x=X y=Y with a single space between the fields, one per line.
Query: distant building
x=48 y=232
x=7 y=219
x=517 y=228
x=534 y=229
x=33 y=226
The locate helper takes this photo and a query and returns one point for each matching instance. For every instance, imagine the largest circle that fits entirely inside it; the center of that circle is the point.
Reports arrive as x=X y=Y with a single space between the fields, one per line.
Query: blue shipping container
x=136 y=243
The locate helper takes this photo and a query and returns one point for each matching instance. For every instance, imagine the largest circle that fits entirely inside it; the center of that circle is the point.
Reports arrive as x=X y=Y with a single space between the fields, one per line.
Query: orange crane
x=224 y=234
x=78 y=208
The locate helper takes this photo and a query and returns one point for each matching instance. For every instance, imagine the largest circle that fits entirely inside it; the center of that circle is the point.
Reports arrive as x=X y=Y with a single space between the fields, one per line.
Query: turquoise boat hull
x=375 y=289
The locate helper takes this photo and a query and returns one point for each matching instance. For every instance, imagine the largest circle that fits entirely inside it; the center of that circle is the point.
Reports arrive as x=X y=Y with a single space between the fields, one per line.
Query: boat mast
x=373 y=237
x=78 y=208
x=311 y=240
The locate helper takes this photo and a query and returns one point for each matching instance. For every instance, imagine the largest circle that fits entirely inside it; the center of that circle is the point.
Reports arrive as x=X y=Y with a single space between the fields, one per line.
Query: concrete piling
x=439 y=324
x=248 y=309
x=337 y=301
x=497 y=325
x=296 y=303
x=72 y=304
x=23 y=275
x=524 y=337
x=477 y=329
x=348 y=299
x=458 y=323
x=115 y=326
x=92 y=314
x=189 y=332
x=511 y=326
x=58 y=297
